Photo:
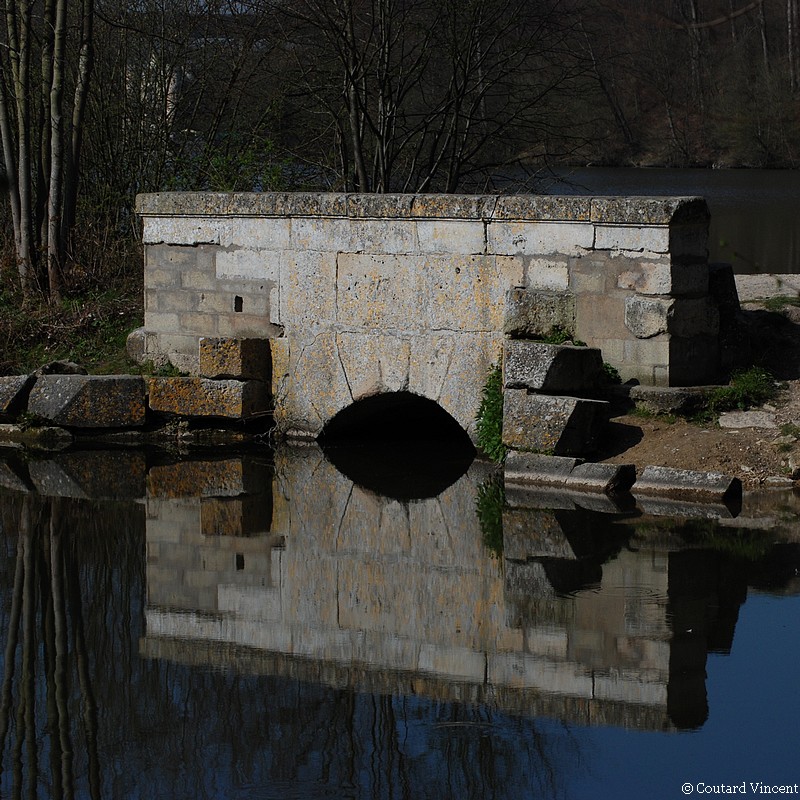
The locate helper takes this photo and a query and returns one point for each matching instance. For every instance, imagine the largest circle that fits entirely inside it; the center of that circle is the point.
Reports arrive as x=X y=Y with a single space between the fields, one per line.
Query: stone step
x=561 y=426
x=551 y=368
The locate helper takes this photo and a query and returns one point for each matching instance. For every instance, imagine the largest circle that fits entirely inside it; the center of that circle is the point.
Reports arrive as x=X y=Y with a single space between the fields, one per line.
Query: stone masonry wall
x=363 y=294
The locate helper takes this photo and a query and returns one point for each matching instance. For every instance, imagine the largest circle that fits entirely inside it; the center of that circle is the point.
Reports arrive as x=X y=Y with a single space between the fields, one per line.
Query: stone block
x=201 y=397
x=694 y=317
x=248 y=264
x=374 y=364
x=89 y=401
x=551 y=368
x=539 y=238
x=664 y=277
x=669 y=399
x=634 y=238
x=255 y=233
x=451 y=236
x=14 y=393
x=646 y=317
x=463 y=293
x=606 y=478
x=242 y=359
x=693 y=361
x=557 y=425
x=521 y=467
x=181 y=230
x=536 y=314
x=378 y=291
x=684 y=484
x=548 y=274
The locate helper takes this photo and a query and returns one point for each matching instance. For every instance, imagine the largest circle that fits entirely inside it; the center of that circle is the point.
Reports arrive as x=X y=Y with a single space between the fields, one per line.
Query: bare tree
x=41 y=123
x=424 y=95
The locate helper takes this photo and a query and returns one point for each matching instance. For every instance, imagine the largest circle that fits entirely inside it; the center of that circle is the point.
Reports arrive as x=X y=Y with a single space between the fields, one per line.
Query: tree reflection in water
x=85 y=714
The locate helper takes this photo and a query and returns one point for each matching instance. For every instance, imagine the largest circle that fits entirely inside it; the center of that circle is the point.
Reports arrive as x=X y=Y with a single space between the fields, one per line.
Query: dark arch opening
x=399 y=445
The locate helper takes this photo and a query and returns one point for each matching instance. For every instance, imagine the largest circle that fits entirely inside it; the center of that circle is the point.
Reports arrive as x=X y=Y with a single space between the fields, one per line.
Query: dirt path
x=758 y=456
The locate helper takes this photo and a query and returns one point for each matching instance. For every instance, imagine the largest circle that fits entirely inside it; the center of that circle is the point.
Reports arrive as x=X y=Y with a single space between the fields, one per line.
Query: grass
x=747 y=388
x=490 y=416
x=91 y=330
x=779 y=302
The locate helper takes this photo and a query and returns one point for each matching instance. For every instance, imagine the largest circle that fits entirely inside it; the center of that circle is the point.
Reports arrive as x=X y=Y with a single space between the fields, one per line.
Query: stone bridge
x=363 y=295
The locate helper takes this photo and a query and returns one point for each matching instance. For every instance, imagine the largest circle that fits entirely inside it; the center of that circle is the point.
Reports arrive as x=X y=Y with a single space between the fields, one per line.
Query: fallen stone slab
x=240 y=359
x=688 y=485
x=747 y=419
x=670 y=399
x=551 y=368
x=606 y=478
x=202 y=397
x=522 y=467
x=89 y=401
x=561 y=426
x=14 y=393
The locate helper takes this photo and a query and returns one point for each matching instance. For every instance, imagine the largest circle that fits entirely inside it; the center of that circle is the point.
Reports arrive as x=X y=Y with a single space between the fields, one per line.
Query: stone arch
x=398 y=444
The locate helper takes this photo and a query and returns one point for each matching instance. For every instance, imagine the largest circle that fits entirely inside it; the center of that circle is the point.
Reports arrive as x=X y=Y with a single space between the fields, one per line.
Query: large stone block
x=533 y=314
x=242 y=359
x=201 y=397
x=551 y=368
x=646 y=317
x=89 y=401
x=13 y=393
x=558 y=425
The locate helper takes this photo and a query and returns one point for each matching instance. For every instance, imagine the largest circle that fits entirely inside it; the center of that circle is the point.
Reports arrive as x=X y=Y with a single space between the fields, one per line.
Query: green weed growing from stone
x=490 y=416
x=489 y=504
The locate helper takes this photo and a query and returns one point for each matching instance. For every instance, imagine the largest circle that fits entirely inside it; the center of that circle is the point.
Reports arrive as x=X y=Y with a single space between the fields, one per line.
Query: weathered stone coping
x=610 y=210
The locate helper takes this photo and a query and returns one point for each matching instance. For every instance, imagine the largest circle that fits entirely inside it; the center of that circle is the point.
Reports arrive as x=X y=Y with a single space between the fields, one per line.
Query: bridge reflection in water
x=594 y=619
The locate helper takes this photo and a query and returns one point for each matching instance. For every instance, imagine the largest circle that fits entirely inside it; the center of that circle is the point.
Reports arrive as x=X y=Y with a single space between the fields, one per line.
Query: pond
x=755 y=213
x=260 y=626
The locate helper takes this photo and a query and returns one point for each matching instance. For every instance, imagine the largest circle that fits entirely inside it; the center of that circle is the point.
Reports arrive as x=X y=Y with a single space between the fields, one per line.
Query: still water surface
x=252 y=627
x=755 y=213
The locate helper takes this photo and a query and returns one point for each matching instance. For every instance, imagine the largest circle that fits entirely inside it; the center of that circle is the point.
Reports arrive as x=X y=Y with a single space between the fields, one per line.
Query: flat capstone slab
x=606 y=478
x=89 y=401
x=572 y=473
x=13 y=391
x=670 y=399
x=551 y=368
x=240 y=359
x=691 y=485
x=561 y=426
x=202 y=397
x=521 y=467
x=747 y=419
